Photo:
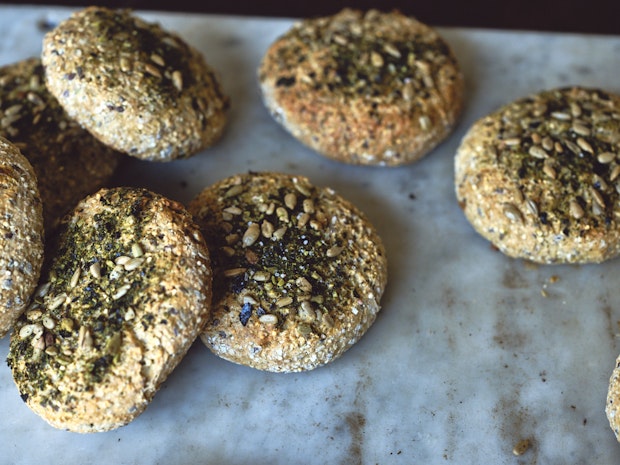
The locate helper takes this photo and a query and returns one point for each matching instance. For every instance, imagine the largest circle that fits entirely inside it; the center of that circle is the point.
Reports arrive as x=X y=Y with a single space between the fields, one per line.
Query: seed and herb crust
x=135 y=86
x=612 y=408
x=68 y=161
x=363 y=88
x=126 y=289
x=540 y=177
x=21 y=234
x=298 y=271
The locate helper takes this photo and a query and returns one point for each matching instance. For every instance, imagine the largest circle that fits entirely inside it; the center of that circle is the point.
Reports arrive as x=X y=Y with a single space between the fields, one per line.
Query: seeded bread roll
x=137 y=87
x=363 y=88
x=612 y=408
x=539 y=178
x=126 y=291
x=68 y=161
x=21 y=234
x=298 y=271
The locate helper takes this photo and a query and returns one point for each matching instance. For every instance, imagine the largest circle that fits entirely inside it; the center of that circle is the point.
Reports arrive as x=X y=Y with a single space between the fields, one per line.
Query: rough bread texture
x=125 y=291
x=298 y=271
x=68 y=161
x=367 y=88
x=612 y=408
x=137 y=87
x=539 y=177
x=21 y=234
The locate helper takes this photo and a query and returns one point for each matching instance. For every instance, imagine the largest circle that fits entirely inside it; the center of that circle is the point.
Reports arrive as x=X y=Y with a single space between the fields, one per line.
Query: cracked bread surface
x=299 y=271
x=539 y=176
x=363 y=87
x=125 y=291
x=134 y=85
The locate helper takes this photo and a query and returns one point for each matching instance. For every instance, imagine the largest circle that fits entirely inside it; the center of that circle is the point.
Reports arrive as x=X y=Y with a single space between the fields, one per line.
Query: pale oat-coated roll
x=299 y=271
x=68 y=161
x=539 y=176
x=367 y=88
x=21 y=234
x=137 y=87
x=125 y=292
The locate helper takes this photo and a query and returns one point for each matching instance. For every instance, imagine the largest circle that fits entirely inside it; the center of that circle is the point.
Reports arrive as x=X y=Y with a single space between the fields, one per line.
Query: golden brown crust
x=363 y=88
x=298 y=271
x=21 y=234
x=125 y=293
x=135 y=86
x=539 y=177
x=612 y=408
x=68 y=161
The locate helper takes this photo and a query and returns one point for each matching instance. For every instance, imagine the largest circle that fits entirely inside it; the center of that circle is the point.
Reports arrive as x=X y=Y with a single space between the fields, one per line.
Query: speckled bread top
x=68 y=161
x=21 y=234
x=298 y=271
x=539 y=177
x=612 y=407
x=367 y=88
x=125 y=292
x=137 y=87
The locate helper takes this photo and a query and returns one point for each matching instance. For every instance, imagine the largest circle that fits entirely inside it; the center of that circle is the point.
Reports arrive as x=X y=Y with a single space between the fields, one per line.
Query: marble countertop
x=472 y=352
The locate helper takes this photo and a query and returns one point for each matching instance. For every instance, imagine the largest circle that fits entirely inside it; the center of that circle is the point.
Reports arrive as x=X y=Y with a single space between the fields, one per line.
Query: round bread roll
x=137 y=87
x=68 y=161
x=298 y=271
x=126 y=290
x=612 y=408
x=539 y=176
x=367 y=88
x=21 y=234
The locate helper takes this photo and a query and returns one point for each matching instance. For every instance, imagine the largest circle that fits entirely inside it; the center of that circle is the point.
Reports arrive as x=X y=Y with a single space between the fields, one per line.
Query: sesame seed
x=339 y=39
x=531 y=206
x=234 y=191
x=306 y=311
x=43 y=289
x=266 y=228
x=233 y=210
x=615 y=172
x=85 y=341
x=130 y=314
x=547 y=143
x=284 y=301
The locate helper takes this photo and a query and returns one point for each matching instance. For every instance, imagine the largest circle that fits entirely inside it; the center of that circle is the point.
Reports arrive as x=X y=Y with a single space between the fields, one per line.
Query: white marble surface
x=472 y=352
